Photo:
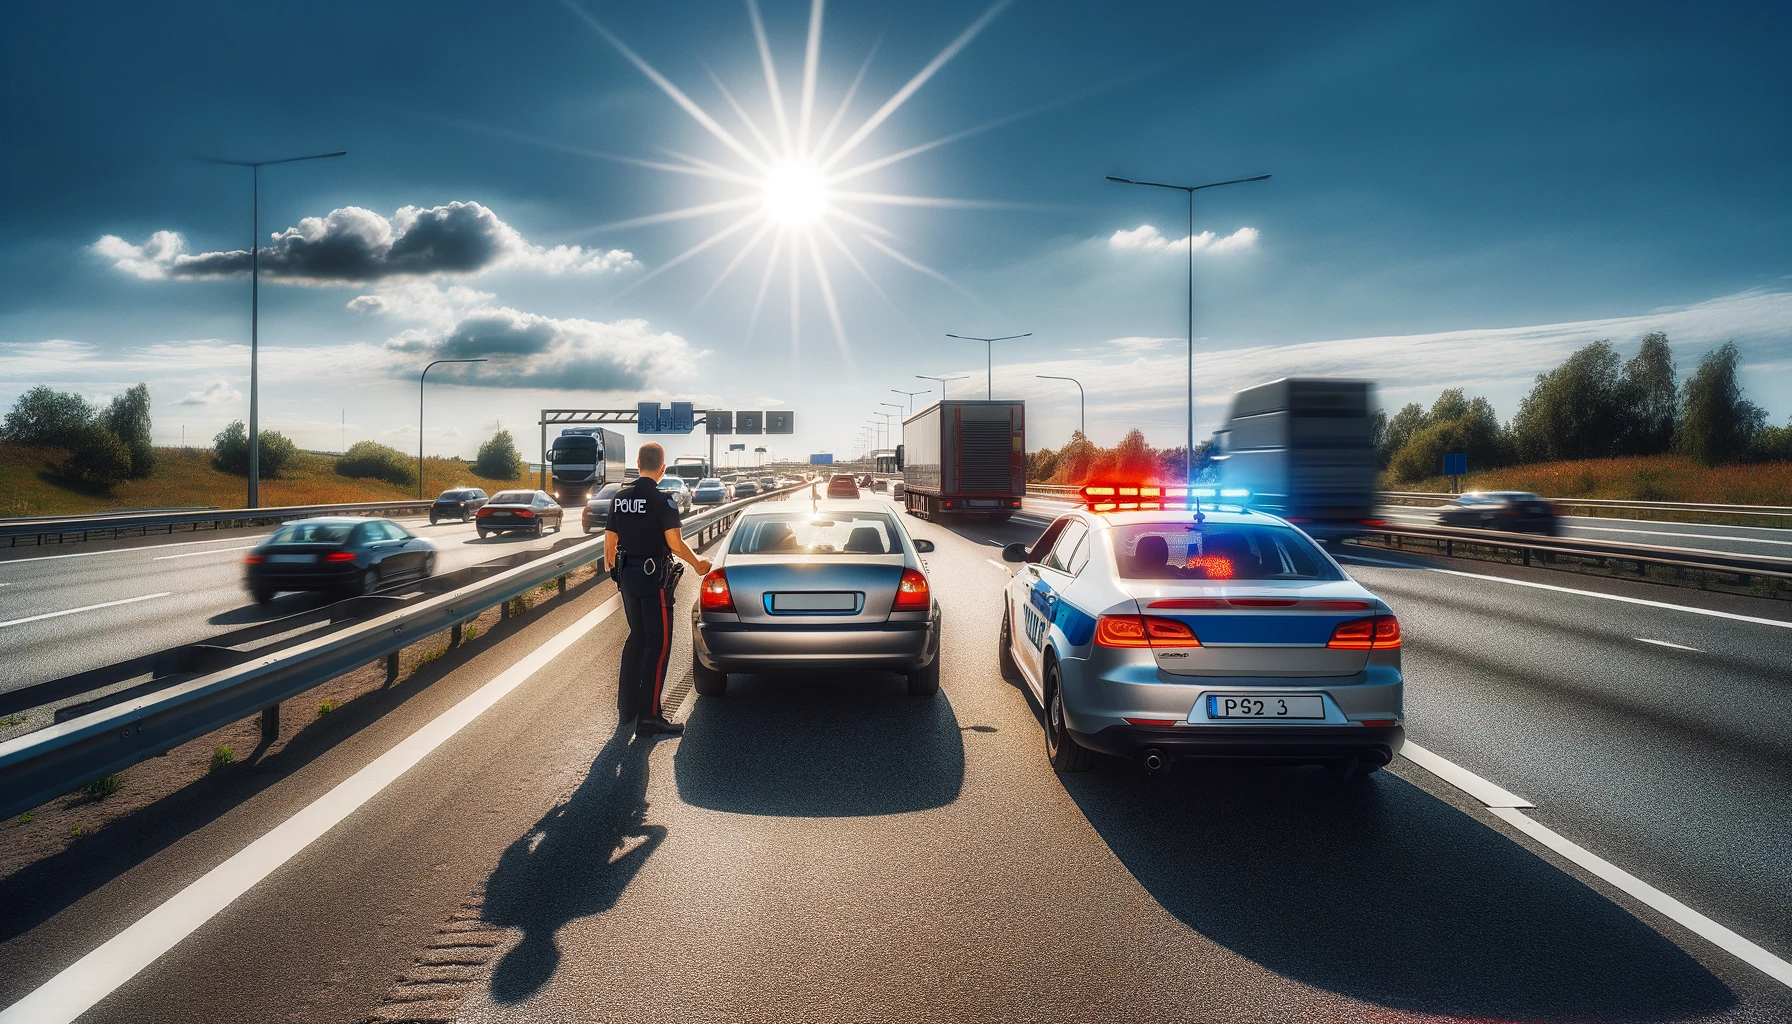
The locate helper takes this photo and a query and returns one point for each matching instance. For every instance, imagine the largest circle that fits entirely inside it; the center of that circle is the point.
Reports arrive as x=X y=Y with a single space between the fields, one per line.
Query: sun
x=795 y=194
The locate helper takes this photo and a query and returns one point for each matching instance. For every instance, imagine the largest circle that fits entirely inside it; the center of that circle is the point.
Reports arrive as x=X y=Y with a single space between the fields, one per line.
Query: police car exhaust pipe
x=1154 y=760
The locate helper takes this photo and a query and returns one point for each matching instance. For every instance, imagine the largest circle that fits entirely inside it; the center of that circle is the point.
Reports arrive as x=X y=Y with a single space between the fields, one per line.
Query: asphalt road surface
x=109 y=601
x=829 y=848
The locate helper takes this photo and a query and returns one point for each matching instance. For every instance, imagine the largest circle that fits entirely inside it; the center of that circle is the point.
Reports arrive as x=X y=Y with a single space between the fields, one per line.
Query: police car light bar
x=1152 y=497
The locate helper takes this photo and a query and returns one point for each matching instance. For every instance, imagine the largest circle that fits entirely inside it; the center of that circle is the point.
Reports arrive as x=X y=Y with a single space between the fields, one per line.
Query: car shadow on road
x=820 y=746
x=575 y=862
x=1381 y=892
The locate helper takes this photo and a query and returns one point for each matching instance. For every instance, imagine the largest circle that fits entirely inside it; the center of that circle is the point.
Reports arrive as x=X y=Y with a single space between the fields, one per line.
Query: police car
x=1155 y=625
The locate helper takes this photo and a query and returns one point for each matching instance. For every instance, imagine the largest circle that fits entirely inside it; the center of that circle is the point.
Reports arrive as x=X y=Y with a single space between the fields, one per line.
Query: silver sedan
x=826 y=586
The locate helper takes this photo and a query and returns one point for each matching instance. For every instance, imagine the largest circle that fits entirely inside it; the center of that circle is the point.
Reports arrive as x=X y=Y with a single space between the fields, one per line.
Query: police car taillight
x=912 y=594
x=714 y=595
x=1377 y=632
x=1142 y=631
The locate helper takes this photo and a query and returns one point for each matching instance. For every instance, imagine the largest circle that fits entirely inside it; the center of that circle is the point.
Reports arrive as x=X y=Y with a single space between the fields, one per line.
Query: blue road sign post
x=1456 y=467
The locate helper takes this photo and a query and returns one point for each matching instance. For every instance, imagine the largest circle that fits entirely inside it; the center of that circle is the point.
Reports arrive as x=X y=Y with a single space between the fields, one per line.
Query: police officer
x=639 y=542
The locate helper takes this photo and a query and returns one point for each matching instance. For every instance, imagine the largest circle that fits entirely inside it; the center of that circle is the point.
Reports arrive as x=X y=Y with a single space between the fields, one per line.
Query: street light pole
x=943 y=380
x=1189 y=463
x=988 y=359
x=420 y=380
x=255 y=167
x=1082 y=405
x=910 y=395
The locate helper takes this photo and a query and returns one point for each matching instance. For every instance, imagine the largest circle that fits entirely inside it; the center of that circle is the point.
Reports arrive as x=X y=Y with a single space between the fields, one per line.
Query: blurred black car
x=1516 y=511
x=745 y=489
x=528 y=511
x=459 y=503
x=597 y=510
x=344 y=553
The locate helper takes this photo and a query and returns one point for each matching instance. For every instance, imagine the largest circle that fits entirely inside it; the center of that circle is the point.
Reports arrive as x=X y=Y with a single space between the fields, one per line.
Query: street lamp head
x=1122 y=181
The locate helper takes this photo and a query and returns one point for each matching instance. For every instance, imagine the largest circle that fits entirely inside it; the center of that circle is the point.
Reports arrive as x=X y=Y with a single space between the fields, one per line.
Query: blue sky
x=1462 y=193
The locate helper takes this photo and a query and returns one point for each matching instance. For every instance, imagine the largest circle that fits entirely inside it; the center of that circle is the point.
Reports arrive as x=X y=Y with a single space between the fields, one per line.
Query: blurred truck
x=962 y=458
x=1303 y=447
x=582 y=460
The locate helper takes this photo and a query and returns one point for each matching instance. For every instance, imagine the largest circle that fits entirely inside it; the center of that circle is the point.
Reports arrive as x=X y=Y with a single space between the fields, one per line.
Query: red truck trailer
x=962 y=458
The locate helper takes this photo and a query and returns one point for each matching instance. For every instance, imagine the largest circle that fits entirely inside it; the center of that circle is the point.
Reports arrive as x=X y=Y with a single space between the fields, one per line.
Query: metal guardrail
x=116 y=523
x=1617 y=504
x=1444 y=539
x=59 y=758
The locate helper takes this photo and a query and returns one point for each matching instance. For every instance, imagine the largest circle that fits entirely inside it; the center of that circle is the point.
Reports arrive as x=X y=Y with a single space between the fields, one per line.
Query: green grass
x=100 y=789
x=11 y=720
x=28 y=817
x=29 y=484
x=221 y=756
x=1643 y=478
x=326 y=707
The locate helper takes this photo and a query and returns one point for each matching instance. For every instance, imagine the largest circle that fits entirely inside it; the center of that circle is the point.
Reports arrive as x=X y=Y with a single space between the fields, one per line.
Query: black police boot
x=656 y=725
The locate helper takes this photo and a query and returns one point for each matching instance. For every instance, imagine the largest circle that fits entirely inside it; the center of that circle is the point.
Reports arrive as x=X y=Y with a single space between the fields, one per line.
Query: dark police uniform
x=640 y=515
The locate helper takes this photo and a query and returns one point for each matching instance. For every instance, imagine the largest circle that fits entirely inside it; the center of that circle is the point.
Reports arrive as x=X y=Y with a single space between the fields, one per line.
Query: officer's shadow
x=573 y=863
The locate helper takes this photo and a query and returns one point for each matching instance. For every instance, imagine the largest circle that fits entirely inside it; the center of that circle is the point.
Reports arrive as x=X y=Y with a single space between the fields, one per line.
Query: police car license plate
x=1264 y=705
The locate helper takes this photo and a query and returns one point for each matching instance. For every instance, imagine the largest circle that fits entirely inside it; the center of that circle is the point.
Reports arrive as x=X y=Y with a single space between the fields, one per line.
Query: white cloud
x=1146 y=238
x=423 y=301
x=216 y=393
x=353 y=245
x=1138 y=344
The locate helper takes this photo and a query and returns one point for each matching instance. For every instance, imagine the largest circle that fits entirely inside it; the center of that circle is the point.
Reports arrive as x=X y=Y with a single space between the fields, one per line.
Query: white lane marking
x=1653 y=898
x=1714 y=613
x=86 y=608
x=196 y=554
x=99 y=973
x=1665 y=643
x=1697 y=536
x=120 y=551
x=1000 y=566
x=1474 y=785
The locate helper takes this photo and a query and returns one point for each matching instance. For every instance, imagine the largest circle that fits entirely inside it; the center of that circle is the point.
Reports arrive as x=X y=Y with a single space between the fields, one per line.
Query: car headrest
x=1153 y=551
x=865 y=540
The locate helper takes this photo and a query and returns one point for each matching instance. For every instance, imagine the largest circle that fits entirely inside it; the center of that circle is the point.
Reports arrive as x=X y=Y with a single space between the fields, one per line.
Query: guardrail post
x=270 y=723
x=560 y=581
x=504 y=611
x=391 y=669
x=1527 y=555
x=454 y=635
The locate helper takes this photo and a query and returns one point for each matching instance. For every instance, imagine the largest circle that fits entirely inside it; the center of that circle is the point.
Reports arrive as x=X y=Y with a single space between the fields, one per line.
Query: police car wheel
x=707 y=681
x=1064 y=752
x=1005 y=646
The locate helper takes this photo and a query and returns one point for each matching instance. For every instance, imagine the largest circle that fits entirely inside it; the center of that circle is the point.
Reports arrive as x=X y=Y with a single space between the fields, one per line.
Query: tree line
x=106 y=446
x=1594 y=405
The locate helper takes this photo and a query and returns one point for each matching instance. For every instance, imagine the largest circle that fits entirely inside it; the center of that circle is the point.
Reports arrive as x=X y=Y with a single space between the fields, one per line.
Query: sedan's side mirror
x=1014 y=553
x=923 y=545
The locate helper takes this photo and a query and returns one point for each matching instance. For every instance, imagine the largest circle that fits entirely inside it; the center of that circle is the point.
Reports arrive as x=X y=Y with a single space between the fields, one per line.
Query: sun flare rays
x=786 y=167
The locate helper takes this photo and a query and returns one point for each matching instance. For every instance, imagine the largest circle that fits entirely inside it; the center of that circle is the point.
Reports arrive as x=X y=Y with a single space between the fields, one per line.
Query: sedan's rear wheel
x=708 y=682
x=484 y=534
x=429 y=566
x=1061 y=748
x=370 y=581
x=926 y=682
x=262 y=595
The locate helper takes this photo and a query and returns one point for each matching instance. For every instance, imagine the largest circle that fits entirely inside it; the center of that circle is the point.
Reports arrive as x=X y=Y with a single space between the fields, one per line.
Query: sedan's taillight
x=912 y=594
x=714 y=595
x=1143 y=631
x=252 y=560
x=482 y=513
x=523 y=513
x=340 y=556
x=1377 y=632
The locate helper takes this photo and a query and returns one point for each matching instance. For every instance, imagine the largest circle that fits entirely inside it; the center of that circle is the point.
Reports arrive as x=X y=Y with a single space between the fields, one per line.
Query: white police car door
x=1039 y=606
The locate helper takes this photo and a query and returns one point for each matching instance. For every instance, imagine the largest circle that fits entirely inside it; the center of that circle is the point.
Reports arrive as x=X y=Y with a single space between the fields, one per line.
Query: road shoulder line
x=78 y=987
x=1474 y=785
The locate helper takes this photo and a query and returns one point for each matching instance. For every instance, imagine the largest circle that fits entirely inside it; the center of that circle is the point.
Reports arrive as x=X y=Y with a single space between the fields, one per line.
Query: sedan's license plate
x=815 y=602
x=1264 y=705
x=292 y=558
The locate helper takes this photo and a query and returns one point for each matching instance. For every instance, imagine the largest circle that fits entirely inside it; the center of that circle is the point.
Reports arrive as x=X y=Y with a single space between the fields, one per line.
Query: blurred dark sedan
x=526 y=511
x=1517 y=511
x=745 y=489
x=597 y=511
x=459 y=503
x=336 y=553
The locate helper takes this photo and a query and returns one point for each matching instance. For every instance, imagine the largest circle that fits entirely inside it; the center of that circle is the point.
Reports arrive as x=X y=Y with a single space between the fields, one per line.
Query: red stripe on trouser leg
x=659 y=674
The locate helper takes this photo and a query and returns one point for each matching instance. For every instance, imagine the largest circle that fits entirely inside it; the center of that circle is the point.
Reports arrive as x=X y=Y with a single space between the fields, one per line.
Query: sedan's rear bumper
x=1263 y=744
x=740 y=647
x=303 y=577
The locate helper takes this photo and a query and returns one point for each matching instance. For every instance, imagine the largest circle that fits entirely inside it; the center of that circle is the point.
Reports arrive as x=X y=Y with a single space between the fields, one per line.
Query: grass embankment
x=1644 y=478
x=30 y=485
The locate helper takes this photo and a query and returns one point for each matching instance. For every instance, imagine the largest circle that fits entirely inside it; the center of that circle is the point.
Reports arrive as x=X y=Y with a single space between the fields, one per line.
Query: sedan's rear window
x=819 y=533
x=1217 y=551
x=312 y=533
x=513 y=498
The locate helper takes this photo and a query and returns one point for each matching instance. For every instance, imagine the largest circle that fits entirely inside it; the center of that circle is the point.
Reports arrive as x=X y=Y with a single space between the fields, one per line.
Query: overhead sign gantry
x=675 y=418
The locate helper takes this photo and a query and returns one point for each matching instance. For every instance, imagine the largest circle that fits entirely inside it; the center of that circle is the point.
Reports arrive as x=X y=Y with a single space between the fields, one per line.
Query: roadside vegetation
x=61 y=455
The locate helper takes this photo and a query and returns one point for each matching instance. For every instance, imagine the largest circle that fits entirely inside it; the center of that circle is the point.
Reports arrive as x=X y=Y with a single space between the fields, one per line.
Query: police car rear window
x=1217 y=551
x=820 y=533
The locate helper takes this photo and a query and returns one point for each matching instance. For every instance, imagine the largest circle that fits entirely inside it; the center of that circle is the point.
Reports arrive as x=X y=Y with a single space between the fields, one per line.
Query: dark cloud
x=352 y=245
x=530 y=351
